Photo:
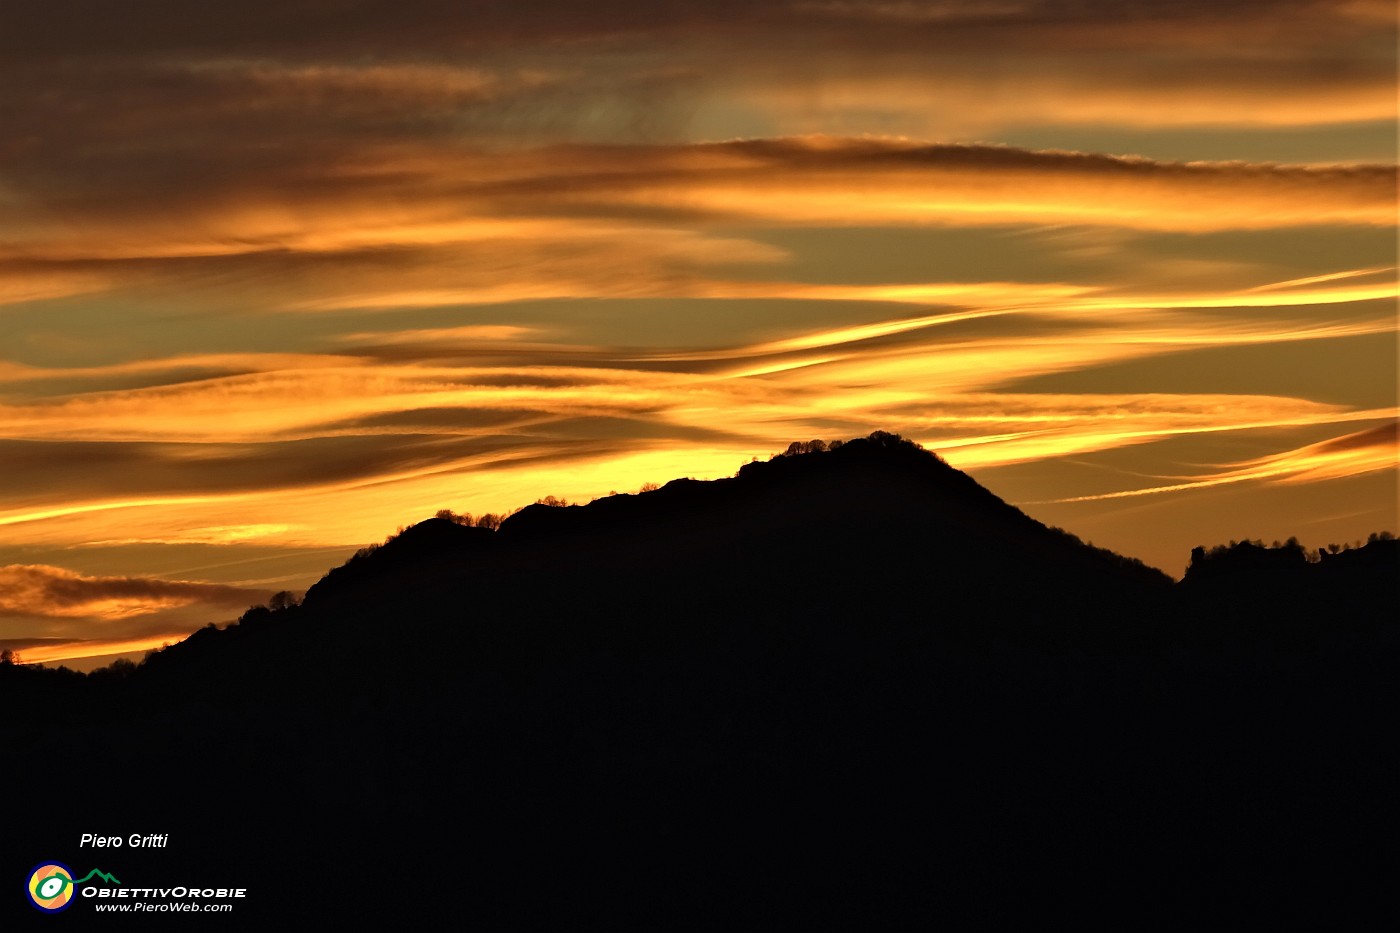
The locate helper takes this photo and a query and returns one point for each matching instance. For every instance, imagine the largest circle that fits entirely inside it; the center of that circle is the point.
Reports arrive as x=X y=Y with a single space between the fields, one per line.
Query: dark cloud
x=436 y=419
x=132 y=469
x=749 y=176
x=35 y=27
x=373 y=448
x=643 y=166
x=423 y=218
x=29 y=591
x=1384 y=435
x=152 y=97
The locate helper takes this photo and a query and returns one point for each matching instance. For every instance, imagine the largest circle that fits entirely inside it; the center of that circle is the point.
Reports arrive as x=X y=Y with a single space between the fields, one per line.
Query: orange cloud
x=32 y=652
x=965 y=100
x=869 y=182
x=525 y=214
x=507 y=427
x=37 y=590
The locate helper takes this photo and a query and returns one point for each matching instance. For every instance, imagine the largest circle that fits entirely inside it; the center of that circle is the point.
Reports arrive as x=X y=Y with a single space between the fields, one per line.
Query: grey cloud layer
x=145 y=92
x=36 y=27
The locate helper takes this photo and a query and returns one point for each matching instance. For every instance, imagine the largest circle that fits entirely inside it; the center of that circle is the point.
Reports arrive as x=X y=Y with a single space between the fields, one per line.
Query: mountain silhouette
x=846 y=688
x=820 y=534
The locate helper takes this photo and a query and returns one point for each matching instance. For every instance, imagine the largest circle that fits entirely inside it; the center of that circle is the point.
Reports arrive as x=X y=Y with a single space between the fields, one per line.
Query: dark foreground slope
x=848 y=689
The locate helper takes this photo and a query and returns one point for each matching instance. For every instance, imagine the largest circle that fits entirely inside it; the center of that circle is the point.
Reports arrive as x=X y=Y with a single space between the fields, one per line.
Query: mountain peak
x=869 y=508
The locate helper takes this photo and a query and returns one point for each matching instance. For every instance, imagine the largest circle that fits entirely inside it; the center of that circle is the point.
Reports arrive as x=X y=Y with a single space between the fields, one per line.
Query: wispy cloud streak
x=1355 y=454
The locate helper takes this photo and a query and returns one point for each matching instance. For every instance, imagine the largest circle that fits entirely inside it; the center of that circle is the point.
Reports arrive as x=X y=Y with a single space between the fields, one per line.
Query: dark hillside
x=845 y=689
x=822 y=534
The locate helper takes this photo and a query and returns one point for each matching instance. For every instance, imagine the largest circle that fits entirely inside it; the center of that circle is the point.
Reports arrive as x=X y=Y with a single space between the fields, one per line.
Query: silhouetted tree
x=284 y=599
x=120 y=669
x=797 y=448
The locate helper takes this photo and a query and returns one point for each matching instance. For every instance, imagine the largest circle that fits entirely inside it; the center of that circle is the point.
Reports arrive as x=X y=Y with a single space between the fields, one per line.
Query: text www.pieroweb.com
x=164 y=900
x=162 y=907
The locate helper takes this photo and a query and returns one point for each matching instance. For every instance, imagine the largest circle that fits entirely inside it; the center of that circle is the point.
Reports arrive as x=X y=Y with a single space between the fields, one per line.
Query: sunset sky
x=277 y=278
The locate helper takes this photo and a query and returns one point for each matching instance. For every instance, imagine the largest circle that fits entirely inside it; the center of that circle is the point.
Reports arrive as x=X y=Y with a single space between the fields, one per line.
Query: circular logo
x=51 y=887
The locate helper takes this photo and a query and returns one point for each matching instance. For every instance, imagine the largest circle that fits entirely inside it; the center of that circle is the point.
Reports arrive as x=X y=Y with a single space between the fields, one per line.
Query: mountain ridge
x=882 y=475
x=843 y=689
